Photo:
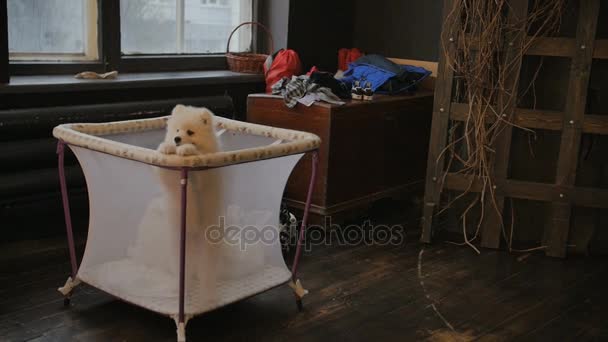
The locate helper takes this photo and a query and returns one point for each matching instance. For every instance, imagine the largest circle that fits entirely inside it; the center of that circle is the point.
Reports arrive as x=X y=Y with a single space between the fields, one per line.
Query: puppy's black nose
x=177 y=140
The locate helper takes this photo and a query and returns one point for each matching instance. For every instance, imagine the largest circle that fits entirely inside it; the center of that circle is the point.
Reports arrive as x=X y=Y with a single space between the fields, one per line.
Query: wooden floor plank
x=358 y=293
x=512 y=297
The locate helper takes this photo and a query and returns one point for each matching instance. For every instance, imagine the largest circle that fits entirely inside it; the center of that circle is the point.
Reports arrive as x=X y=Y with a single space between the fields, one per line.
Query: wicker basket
x=251 y=63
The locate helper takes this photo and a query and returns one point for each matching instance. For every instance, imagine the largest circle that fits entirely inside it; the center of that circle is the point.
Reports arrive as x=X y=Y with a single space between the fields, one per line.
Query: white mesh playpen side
x=183 y=235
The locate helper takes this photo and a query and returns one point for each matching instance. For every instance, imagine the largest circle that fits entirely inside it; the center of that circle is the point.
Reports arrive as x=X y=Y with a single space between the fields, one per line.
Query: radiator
x=29 y=186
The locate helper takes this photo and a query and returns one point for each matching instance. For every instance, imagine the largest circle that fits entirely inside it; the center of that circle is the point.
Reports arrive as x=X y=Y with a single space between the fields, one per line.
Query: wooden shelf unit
x=572 y=122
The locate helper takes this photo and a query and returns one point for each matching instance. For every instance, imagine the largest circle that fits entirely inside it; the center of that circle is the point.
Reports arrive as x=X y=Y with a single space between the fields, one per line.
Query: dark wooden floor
x=362 y=293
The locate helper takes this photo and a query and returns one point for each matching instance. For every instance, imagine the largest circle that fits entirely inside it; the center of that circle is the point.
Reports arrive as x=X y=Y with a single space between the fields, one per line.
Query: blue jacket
x=384 y=75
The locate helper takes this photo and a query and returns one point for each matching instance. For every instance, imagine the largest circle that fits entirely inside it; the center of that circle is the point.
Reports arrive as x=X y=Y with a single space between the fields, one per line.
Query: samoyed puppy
x=190 y=131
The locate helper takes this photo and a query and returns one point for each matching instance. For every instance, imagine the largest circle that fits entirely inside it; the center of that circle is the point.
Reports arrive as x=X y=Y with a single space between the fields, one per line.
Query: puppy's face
x=188 y=125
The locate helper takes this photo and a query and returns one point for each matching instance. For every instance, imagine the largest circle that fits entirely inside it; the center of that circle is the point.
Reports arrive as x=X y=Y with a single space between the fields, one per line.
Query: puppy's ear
x=206 y=117
x=208 y=111
x=178 y=108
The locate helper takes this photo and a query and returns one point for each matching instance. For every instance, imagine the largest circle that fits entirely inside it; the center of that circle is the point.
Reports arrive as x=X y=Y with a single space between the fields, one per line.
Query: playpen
x=183 y=235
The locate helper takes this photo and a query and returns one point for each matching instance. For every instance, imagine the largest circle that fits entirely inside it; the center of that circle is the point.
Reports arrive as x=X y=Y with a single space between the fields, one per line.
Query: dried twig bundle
x=486 y=69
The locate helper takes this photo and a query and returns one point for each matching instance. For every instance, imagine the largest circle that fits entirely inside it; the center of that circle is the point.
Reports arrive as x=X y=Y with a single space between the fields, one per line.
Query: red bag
x=346 y=56
x=284 y=63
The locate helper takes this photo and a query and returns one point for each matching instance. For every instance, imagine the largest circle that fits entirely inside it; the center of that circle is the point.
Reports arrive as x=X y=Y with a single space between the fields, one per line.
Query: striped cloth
x=297 y=87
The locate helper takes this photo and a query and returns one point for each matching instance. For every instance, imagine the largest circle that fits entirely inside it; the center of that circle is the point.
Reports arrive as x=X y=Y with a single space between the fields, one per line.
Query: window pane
x=148 y=26
x=46 y=26
x=208 y=24
x=151 y=26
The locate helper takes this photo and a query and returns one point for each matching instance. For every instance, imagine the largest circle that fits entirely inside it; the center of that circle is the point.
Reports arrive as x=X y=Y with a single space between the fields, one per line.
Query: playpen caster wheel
x=66 y=301
x=300 y=305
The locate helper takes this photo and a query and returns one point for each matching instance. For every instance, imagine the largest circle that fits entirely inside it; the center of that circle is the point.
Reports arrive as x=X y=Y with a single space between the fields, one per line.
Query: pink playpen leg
x=68 y=222
x=296 y=260
x=181 y=324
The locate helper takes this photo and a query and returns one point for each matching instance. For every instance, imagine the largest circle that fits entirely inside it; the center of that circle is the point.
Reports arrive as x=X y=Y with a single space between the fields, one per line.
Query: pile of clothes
x=307 y=89
x=374 y=71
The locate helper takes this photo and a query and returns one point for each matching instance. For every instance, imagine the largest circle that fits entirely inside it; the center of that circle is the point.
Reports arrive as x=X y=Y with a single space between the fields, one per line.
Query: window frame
x=110 y=55
x=4 y=67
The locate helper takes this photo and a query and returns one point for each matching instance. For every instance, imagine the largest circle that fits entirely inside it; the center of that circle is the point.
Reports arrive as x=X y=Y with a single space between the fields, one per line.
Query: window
x=52 y=29
x=69 y=36
x=183 y=26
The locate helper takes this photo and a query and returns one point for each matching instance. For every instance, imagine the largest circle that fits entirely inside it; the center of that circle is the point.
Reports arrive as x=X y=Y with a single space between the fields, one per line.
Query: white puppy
x=189 y=131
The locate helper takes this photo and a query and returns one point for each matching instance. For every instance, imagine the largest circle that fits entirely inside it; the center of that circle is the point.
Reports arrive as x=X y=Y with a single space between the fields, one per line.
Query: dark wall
x=317 y=29
x=407 y=29
x=275 y=15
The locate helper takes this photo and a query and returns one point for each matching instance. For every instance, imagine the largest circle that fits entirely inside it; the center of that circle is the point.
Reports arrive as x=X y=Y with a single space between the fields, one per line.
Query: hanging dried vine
x=486 y=78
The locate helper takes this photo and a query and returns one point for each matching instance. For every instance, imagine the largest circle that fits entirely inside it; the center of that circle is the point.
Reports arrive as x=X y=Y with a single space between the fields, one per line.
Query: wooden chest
x=370 y=149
